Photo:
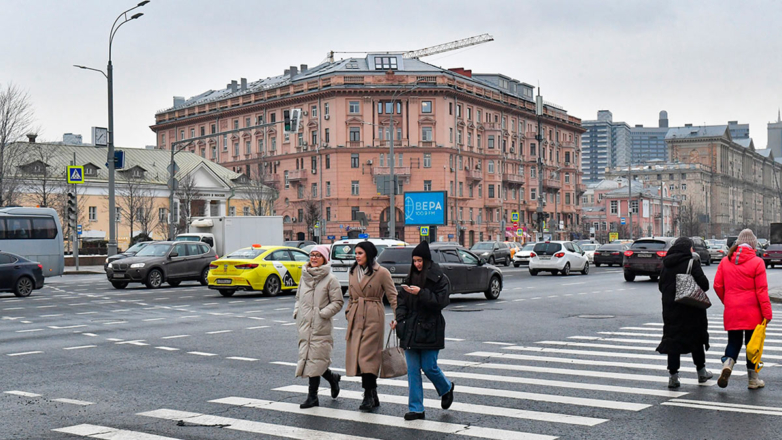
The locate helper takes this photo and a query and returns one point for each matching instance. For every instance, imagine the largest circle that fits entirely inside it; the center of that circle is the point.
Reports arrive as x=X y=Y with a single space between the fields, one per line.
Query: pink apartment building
x=472 y=135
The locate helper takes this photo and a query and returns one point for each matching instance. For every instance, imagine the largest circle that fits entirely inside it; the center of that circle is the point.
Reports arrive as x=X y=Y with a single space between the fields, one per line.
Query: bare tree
x=131 y=200
x=187 y=193
x=689 y=220
x=146 y=212
x=262 y=196
x=45 y=184
x=311 y=213
x=16 y=119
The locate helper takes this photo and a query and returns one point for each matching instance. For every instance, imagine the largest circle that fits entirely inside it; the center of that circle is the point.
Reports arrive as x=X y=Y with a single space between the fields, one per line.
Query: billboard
x=427 y=208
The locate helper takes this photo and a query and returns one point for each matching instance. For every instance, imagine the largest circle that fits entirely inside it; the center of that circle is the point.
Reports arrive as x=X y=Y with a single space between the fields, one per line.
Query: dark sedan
x=492 y=251
x=466 y=272
x=773 y=255
x=19 y=275
x=133 y=250
x=609 y=254
x=645 y=257
x=164 y=262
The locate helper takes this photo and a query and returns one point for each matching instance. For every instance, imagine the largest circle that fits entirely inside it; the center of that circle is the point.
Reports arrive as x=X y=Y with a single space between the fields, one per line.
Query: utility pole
x=630 y=196
x=662 y=210
x=539 y=138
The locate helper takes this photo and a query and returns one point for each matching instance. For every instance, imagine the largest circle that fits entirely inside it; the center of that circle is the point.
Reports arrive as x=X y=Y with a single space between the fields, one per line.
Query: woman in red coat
x=742 y=287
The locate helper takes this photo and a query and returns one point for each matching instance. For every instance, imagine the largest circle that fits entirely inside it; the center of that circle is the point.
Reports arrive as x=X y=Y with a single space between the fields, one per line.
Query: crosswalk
x=539 y=390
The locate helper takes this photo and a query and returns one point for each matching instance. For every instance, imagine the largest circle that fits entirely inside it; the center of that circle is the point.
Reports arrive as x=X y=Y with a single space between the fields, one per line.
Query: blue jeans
x=734 y=345
x=426 y=360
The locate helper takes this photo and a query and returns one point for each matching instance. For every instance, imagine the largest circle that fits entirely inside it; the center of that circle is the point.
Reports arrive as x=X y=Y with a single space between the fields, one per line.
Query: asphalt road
x=569 y=357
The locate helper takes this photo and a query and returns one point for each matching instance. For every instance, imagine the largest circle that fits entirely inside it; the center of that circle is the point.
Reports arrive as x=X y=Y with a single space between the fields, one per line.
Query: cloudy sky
x=705 y=62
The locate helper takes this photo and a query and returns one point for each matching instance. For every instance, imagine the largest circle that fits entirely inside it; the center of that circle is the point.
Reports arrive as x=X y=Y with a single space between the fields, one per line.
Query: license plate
x=544 y=258
x=399 y=279
x=119 y=275
x=339 y=269
x=224 y=281
x=644 y=255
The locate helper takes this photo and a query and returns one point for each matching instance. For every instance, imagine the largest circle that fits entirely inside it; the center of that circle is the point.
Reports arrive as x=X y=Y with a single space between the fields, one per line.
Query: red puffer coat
x=741 y=285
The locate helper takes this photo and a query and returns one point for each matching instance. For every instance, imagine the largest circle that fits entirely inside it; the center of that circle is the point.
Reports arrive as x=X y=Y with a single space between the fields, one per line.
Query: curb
x=83 y=272
x=775 y=294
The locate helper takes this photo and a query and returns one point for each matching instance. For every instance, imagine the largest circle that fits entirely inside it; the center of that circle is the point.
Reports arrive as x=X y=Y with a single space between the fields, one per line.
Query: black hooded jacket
x=420 y=323
x=685 y=328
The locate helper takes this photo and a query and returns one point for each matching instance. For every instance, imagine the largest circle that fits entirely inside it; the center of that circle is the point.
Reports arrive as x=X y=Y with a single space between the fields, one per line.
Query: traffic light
x=291 y=120
x=286 y=116
x=71 y=208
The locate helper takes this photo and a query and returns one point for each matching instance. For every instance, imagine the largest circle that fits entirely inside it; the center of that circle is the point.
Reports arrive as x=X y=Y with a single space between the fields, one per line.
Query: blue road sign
x=342 y=226
x=363 y=235
x=424 y=231
x=330 y=237
x=344 y=237
x=75 y=174
x=622 y=221
x=78 y=229
x=450 y=235
x=119 y=160
x=514 y=216
x=426 y=208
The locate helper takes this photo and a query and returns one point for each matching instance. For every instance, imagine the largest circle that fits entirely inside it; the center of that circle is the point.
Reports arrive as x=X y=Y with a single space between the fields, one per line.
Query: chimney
x=179 y=101
x=304 y=68
x=294 y=71
x=243 y=86
x=31 y=137
x=688 y=125
x=287 y=72
x=233 y=86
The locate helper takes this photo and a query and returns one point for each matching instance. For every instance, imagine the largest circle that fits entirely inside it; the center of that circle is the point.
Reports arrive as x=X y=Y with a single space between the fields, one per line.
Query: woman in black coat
x=685 y=328
x=421 y=329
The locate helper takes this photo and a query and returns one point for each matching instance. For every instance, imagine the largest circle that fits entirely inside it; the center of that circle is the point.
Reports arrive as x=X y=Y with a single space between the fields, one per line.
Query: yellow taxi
x=270 y=269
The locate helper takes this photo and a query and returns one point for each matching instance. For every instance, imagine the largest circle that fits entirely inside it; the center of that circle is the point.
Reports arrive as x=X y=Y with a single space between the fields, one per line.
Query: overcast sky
x=702 y=61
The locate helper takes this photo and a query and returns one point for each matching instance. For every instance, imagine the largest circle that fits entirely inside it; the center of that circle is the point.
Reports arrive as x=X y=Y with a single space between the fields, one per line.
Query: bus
x=36 y=234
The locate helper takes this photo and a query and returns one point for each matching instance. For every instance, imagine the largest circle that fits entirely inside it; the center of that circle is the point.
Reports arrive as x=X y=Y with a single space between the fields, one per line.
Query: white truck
x=227 y=234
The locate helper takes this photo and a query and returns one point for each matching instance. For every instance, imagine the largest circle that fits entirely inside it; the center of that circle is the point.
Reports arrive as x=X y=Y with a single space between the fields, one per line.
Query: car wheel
x=708 y=262
x=491 y=260
x=586 y=269
x=154 y=279
x=227 y=292
x=566 y=270
x=272 y=287
x=507 y=261
x=534 y=273
x=494 y=289
x=204 y=280
x=24 y=287
x=119 y=284
x=174 y=283
x=653 y=277
x=629 y=277
x=598 y=264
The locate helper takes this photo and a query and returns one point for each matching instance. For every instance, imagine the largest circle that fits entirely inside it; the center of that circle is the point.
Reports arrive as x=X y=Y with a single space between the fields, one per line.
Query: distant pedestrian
x=368 y=282
x=318 y=299
x=685 y=328
x=742 y=287
x=421 y=329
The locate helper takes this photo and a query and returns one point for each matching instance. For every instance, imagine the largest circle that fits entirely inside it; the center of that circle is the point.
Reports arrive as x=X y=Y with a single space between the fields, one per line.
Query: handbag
x=688 y=292
x=392 y=359
x=755 y=346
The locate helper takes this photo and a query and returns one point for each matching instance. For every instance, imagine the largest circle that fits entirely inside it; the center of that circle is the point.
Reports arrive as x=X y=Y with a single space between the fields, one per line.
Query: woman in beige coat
x=318 y=299
x=366 y=320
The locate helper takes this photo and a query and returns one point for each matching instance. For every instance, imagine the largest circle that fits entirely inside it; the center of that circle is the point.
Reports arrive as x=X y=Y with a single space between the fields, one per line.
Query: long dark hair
x=369 y=248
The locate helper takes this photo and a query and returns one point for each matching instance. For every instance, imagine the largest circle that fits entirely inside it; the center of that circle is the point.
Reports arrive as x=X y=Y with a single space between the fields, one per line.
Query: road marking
x=498 y=343
x=463 y=407
x=723 y=406
x=167 y=348
x=258 y=327
x=52 y=316
x=14 y=308
x=188 y=316
x=24 y=353
x=241 y=425
x=153 y=319
x=74 y=402
x=257 y=318
x=87 y=313
x=282 y=308
x=200 y=353
x=573 y=284
x=115 y=322
x=120 y=310
x=239 y=358
x=520 y=299
x=629 y=347
x=454 y=339
x=138 y=342
x=210 y=304
x=553 y=296
x=89 y=334
x=22 y=393
x=175 y=337
x=290 y=323
x=218 y=332
x=79 y=347
x=114 y=339
x=103 y=432
x=608 y=354
x=30 y=330
x=380 y=419
x=537 y=297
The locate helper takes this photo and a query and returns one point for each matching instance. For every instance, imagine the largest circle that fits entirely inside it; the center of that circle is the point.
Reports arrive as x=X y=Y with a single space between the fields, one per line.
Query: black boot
x=369 y=401
x=333 y=380
x=312 y=396
x=375 y=399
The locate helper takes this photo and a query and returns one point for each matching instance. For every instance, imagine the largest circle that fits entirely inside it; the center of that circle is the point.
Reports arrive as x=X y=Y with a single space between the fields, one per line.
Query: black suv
x=645 y=257
x=492 y=251
x=466 y=272
x=163 y=262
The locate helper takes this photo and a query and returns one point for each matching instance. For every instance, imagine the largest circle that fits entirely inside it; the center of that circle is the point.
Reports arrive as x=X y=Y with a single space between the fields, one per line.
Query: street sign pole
x=74 y=232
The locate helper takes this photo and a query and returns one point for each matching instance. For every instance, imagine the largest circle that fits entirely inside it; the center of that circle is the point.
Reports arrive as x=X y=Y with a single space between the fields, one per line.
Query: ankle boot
x=312 y=396
x=704 y=375
x=727 y=368
x=673 y=381
x=333 y=380
x=754 y=380
x=375 y=399
x=368 y=403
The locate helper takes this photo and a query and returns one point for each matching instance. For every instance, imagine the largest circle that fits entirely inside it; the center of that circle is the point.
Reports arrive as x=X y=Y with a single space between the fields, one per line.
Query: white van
x=343 y=255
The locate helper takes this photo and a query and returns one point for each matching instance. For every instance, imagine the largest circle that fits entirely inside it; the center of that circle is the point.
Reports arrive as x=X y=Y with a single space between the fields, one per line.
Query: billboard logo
x=425 y=208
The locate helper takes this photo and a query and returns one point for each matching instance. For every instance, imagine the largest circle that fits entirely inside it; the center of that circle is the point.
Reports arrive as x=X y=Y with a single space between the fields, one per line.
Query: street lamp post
x=112 y=248
x=392 y=177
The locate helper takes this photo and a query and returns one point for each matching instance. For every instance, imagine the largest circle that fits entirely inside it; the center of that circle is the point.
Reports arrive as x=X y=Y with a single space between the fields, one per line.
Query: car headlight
x=137 y=265
x=107 y=261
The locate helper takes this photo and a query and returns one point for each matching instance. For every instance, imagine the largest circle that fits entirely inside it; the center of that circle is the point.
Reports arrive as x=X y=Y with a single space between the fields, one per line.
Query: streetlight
x=112 y=250
x=392 y=204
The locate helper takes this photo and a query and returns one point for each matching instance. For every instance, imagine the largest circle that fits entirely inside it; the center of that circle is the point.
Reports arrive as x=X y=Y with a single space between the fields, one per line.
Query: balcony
x=530 y=134
x=493 y=203
x=385 y=171
x=271 y=179
x=426 y=144
x=297 y=175
x=387 y=142
x=552 y=183
x=513 y=178
x=569 y=166
x=581 y=188
x=476 y=175
x=354 y=144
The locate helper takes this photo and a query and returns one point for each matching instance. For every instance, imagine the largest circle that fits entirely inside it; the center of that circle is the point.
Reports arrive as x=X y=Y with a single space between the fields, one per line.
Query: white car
x=523 y=256
x=589 y=251
x=558 y=256
x=343 y=255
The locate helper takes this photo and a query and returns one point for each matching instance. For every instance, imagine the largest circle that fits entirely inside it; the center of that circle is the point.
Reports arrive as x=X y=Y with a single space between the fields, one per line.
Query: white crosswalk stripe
x=103 y=432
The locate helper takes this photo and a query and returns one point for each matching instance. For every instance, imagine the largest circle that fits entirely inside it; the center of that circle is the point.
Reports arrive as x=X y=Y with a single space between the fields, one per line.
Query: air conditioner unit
x=326 y=117
x=369 y=162
x=304 y=112
x=304 y=147
x=314 y=171
x=293 y=219
x=277 y=163
x=451 y=169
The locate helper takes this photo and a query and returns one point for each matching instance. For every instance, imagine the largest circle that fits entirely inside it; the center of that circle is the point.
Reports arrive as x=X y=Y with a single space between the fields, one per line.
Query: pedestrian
x=368 y=282
x=421 y=329
x=318 y=299
x=685 y=328
x=742 y=287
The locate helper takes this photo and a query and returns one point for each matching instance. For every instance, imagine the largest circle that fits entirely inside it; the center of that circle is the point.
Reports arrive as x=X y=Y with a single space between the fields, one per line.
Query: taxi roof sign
x=75 y=174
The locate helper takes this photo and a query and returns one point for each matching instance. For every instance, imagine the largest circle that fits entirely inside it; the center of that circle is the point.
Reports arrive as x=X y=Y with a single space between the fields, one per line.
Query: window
x=480 y=190
x=117 y=214
x=353 y=107
x=225 y=142
x=614 y=207
x=491 y=142
x=236 y=124
x=328 y=161
x=684 y=197
x=427 y=185
x=232 y=211
x=328 y=213
x=314 y=111
x=353 y=212
x=314 y=163
x=426 y=106
x=163 y=138
x=354 y=160
x=192 y=133
x=214 y=128
x=684 y=187
x=328 y=189
x=214 y=152
x=532 y=150
x=161 y=214
x=314 y=190
x=684 y=176
x=300 y=139
x=470 y=189
x=247 y=147
x=300 y=215
x=458 y=110
x=469 y=113
x=93 y=213
x=426 y=134
x=326 y=136
x=459 y=137
x=385 y=63
x=236 y=149
x=260 y=145
x=246 y=211
x=634 y=206
x=355 y=134
x=314 y=138
x=469 y=139
x=567 y=177
x=287 y=182
x=181 y=134
x=491 y=191
x=326 y=108
x=490 y=166
x=533 y=173
x=533 y=194
x=273 y=117
x=461 y=189
x=427 y=160
x=300 y=191
x=450 y=135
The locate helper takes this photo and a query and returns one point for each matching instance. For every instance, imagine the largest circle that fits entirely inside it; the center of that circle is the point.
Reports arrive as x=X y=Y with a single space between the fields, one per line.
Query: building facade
x=604 y=144
x=472 y=135
x=775 y=136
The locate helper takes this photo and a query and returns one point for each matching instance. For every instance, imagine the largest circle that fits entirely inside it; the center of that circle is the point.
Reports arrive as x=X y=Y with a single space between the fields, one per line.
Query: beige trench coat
x=366 y=320
x=318 y=299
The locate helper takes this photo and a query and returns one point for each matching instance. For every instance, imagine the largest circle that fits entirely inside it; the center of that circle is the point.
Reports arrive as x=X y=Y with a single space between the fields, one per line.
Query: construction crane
x=440 y=48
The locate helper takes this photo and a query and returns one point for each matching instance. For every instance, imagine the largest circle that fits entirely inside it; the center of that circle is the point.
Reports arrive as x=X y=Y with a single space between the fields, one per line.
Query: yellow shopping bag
x=755 y=346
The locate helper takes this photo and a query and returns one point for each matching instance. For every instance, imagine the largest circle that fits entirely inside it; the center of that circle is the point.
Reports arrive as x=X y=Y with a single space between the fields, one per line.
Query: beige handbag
x=392 y=362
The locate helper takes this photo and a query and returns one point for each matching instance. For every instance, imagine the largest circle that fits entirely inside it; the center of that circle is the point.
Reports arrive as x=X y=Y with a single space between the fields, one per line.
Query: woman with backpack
x=742 y=287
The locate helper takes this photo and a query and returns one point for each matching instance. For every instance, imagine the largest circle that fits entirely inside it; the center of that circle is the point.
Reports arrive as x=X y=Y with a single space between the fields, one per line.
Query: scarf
x=315 y=274
x=361 y=272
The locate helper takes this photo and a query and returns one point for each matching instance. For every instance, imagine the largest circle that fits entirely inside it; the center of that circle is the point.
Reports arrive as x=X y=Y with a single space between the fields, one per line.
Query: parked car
x=19 y=275
x=699 y=247
x=610 y=254
x=492 y=251
x=558 y=257
x=645 y=257
x=133 y=250
x=343 y=255
x=466 y=272
x=589 y=250
x=299 y=243
x=523 y=256
x=163 y=262
x=717 y=252
x=772 y=255
x=267 y=269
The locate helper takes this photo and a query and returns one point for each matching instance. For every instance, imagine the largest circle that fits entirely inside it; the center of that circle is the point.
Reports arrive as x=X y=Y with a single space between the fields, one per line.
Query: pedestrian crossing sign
x=424 y=231
x=75 y=174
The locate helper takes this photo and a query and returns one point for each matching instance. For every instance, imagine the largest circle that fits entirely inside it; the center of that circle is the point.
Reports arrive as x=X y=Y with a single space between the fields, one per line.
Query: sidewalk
x=84 y=270
x=775 y=294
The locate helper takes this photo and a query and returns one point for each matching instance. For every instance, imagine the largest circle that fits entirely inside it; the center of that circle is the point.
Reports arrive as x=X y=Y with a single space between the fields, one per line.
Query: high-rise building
x=648 y=143
x=775 y=136
x=605 y=144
